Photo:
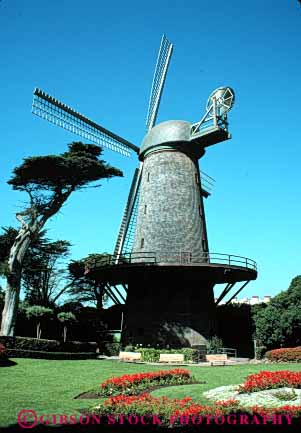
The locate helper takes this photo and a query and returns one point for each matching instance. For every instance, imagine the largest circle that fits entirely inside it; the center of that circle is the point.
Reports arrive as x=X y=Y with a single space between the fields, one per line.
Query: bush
x=18 y=353
x=215 y=344
x=260 y=351
x=150 y=354
x=34 y=344
x=129 y=348
x=288 y=354
x=109 y=348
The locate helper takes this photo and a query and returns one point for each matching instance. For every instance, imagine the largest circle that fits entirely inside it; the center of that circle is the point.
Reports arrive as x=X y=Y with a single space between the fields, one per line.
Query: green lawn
x=49 y=386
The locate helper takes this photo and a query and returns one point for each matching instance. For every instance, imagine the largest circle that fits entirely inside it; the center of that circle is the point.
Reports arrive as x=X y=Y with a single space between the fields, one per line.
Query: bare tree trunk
x=65 y=333
x=28 y=231
x=39 y=330
x=15 y=261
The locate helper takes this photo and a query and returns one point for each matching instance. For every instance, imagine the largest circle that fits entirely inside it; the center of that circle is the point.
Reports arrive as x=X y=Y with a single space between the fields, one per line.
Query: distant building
x=254 y=300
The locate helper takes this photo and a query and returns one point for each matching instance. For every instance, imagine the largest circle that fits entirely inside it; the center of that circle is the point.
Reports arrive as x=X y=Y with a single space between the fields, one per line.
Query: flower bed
x=288 y=354
x=173 y=412
x=130 y=384
x=275 y=397
x=270 y=380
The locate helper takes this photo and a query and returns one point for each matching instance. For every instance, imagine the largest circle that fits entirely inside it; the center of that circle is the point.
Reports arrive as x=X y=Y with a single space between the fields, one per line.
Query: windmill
x=161 y=257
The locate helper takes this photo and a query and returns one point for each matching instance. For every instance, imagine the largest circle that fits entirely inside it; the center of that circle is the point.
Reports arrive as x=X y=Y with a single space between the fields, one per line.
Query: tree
x=83 y=288
x=41 y=275
x=66 y=318
x=278 y=323
x=48 y=181
x=39 y=313
x=43 y=279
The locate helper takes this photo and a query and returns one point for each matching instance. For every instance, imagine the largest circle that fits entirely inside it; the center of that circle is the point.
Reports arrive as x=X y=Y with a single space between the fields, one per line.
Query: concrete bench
x=171 y=357
x=217 y=359
x=129 y=356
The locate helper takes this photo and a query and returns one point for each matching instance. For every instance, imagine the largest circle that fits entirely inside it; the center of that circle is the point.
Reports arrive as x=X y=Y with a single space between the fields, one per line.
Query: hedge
x=109 y=348
x=288 y=354
x=19 y=353
x=149 y=354
x=33 y=344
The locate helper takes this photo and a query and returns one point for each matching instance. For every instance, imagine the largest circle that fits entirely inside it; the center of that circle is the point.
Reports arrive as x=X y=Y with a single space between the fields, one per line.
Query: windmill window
x=196 y=178
x=200 y=210
x=145 y=207
x=204 y=245
x=142 y=243
x=148 y=176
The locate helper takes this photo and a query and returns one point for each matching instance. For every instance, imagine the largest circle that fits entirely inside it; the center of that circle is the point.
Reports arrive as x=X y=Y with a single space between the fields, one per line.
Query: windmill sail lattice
x=127 y=228
x=163 y=60
x=49 y=108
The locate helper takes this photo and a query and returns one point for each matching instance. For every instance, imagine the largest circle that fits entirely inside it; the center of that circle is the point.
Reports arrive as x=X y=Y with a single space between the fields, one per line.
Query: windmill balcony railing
x=179 y=257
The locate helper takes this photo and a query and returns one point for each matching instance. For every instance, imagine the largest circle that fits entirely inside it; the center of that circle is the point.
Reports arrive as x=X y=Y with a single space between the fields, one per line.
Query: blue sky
x=98 y=57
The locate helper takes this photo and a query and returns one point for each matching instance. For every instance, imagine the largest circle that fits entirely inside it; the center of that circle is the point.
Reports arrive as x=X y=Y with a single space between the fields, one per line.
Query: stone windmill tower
x=161 y=256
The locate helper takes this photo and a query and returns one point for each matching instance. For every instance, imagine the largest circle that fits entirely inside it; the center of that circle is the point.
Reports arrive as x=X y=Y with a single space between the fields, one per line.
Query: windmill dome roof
x=169 y=132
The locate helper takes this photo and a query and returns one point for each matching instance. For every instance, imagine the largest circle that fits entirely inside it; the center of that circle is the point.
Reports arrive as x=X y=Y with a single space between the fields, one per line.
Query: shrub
x=130 y=384
x=260 y=351
x=214 y=344
x=270 y=380
x=33 y=344
x=129 y=348
x=109 y=348
x=150 y=354
x=18 y=353
x=288 y=354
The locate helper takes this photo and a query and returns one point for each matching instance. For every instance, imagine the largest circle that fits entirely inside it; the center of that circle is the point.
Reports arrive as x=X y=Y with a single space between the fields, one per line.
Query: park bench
x=217 y=359
x=171 y=357
x=129 y=356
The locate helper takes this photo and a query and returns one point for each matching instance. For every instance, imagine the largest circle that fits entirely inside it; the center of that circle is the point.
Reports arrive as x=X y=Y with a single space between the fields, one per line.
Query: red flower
x=271 y=379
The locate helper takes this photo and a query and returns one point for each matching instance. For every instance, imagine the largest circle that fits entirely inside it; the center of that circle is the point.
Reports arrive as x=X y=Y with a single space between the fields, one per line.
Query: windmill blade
x=49 y=108
x=128 y=224
x=163 y=61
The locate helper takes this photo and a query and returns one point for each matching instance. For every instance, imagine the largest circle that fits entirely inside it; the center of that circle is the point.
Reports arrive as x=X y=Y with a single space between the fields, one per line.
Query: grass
x=49 y=386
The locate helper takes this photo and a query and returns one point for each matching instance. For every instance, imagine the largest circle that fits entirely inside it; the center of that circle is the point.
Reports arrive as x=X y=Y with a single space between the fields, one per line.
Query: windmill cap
x=170 y=132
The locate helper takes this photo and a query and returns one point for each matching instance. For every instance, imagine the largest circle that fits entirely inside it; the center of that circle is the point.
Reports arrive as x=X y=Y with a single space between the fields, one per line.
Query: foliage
x=279 y=322
x=41 y=274
x=150 y=354
x=260 y=351
x=172 y=412
x=270 y=380
x=39 y=354
x=83 y=288
x=109 y=348
x=43 y=345
x=49 y=181
x=288 y=354
x=285 y=395
x=66 y=317
x=39 y=313
x=58 y=174
x=214 y=344
x=130 y=384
